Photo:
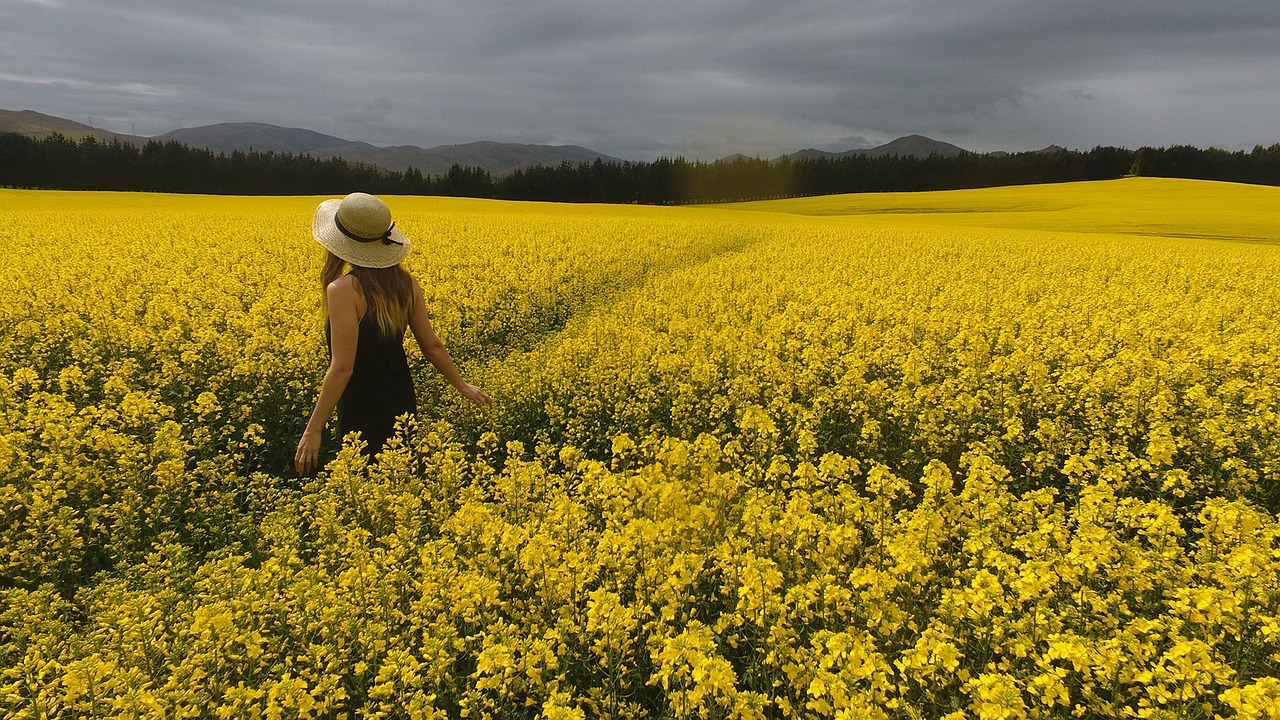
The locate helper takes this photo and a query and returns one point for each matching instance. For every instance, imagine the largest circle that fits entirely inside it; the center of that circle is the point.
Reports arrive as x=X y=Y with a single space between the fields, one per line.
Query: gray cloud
x=641 y=79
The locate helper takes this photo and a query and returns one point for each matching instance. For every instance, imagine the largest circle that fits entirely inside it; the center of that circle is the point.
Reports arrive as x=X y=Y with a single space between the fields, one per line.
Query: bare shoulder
x=344 y=284
x=417 y=288
x=419 y=303
x=345 y=292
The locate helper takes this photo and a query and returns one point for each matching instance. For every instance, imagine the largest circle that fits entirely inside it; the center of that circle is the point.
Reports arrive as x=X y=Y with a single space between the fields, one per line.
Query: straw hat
x=358 y=229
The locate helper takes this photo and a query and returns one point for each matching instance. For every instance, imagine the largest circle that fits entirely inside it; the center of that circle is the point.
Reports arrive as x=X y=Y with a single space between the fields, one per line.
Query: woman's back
x=381 y=386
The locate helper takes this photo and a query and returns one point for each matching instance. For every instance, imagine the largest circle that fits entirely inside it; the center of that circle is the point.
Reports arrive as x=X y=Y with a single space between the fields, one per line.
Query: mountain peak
x=229 y=137
x=914 y=146
x=917 y=146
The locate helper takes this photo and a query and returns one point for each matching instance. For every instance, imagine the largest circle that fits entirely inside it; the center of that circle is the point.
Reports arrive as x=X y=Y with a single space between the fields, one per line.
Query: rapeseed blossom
x=1008 y=453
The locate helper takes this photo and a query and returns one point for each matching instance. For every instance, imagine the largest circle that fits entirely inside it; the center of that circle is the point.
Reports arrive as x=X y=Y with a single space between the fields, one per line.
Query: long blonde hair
x=388 y=292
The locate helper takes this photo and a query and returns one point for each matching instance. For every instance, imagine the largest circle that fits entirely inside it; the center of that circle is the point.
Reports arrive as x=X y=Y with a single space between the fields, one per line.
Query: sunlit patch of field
x=1132 y=206
x=996 y=453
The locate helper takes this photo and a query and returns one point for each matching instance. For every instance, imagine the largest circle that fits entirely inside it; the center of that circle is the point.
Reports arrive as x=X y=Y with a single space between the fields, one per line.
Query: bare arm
x=344 y=331
x=435 y=351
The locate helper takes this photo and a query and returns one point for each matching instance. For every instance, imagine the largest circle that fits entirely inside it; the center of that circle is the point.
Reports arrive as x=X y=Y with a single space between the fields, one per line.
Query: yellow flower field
x=1001 y=453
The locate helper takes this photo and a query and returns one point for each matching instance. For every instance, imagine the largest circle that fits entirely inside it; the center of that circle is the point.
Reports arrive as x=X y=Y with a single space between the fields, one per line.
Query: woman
x=366 y=313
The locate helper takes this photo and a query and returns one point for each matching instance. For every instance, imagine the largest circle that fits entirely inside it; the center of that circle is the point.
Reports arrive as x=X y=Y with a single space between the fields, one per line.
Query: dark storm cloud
x=639 y=79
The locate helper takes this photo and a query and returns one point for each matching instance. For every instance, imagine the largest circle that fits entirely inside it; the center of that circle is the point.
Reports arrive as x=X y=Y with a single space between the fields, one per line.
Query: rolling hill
x=228 y=137
x=39 y=125
x=906 y=146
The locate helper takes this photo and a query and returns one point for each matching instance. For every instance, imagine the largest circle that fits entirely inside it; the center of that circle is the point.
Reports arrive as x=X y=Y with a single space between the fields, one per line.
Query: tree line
x=58 y=162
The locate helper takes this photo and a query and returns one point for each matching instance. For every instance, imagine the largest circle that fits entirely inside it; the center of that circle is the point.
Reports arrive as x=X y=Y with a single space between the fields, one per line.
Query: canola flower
x=1007 y=453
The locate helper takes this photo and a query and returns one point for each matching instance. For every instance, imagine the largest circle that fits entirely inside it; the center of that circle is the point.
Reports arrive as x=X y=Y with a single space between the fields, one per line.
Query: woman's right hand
x=304 y=458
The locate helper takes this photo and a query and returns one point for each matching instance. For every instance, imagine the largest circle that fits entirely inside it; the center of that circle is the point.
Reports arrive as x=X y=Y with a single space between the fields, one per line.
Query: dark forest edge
x=59 y=163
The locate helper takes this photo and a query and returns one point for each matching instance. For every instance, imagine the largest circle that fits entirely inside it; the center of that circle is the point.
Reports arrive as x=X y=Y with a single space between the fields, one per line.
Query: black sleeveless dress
x=381 y=386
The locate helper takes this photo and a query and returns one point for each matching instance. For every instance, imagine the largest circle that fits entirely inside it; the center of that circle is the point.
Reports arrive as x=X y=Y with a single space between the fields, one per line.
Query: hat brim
x=374 y=254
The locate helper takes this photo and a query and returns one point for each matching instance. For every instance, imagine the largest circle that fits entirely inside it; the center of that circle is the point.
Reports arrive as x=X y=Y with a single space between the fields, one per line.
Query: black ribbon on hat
x=384 y=237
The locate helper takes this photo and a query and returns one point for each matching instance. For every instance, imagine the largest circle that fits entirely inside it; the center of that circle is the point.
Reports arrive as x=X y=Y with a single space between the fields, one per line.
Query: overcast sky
x=643 y=78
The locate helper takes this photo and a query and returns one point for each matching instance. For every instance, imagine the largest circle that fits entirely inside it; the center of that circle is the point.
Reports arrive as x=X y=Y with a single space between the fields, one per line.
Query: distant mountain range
x=498 y=158
x=495 y=157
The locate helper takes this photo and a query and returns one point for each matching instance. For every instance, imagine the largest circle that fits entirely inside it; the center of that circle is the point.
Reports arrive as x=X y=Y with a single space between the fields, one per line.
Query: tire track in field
x=438 y=402
x=549 y=320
